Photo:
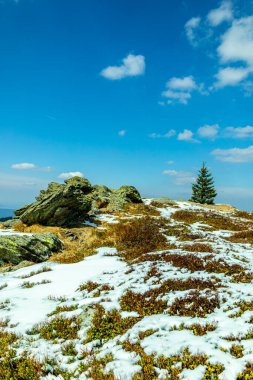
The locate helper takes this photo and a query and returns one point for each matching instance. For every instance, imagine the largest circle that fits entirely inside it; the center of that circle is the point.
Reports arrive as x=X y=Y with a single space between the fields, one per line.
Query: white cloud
x=234 y=155
x=122 y=133
x=231 y=76
x=180 y=177
x=170 y=162
x=190 y=29
x=176 y=96
x=23 y=166
x=237 y=42
x=179 y=89
x=132 y=65
x=239 y=132
x=166 y=135
x=208 y=131
x=30 y=166
x=224 y=13
x=184 y=84
x=68 y=175
x=186 y=135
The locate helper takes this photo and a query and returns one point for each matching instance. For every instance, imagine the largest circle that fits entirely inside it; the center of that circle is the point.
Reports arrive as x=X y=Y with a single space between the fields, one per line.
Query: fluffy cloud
x=180 y=177
x=237 y=42
x=23 y=166
x=131 y=66
x=184 y=84
x=179 y=89
x=186 y=135
x=122 y=133
x=166 y=135
x=239 y=132
x=234 y=155
x=30 y=166
x=68 y=175
x=224 y=13
x=176 y=97
x=190 y=29
x=231 y=76
x=208 y=131
x=236 y=47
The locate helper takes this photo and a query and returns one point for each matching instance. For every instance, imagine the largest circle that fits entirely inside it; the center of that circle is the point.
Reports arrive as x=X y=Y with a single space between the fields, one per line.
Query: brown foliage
x=137 y=237
x=194 y=305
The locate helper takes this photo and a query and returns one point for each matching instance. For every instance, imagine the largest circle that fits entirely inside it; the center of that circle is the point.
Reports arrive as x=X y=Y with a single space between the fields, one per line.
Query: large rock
x=71 y=203
x=36 y=248
x=100 y=197
x=60 y=205
x=123 y=196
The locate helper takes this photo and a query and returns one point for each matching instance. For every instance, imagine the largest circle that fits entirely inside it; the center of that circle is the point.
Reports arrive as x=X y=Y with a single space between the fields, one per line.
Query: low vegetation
x=151 y=301
x=137 y=237
x=195 y=304
x=29 y=284
x=107 y=325
x=216 y=221
x=58 y=327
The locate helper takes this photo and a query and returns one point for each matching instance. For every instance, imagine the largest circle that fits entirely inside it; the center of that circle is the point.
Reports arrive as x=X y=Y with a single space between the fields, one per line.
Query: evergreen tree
x=203 y=190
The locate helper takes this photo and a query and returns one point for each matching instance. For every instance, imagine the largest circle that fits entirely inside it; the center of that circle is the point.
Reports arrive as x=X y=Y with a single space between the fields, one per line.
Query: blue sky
x=126 y=92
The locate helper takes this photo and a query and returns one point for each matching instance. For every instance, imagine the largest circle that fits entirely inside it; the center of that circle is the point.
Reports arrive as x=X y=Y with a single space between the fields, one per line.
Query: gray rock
x=163 y=201
x=36 y=248
x=60 y=205
x=70 y=204
x=121 y=197
x=100 y=197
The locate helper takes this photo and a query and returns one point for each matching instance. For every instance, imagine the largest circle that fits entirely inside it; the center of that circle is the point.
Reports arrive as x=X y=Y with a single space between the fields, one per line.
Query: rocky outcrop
x=60 y=205
x=36 y=248
x=121 y=197
x=69 y=204
x=100 y=197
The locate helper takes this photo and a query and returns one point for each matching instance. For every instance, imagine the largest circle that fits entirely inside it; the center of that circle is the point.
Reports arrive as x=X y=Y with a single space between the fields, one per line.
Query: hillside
x=160 y=291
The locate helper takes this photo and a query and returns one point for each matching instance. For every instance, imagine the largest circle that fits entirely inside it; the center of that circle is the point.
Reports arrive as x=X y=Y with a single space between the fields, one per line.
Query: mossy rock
x=36 y=248
x=121 y=197
x=60 y=205
x=100 y=197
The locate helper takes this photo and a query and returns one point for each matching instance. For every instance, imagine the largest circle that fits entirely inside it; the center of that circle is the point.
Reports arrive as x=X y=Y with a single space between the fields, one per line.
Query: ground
x=167 y=295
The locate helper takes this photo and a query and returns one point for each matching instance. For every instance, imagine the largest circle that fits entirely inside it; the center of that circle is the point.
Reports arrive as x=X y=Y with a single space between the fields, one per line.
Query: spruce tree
x=203 y=190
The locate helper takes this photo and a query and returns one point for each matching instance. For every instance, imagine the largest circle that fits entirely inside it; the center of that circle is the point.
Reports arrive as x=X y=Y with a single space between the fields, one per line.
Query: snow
x=27 y=307
x=31 y=306
x=10 y=232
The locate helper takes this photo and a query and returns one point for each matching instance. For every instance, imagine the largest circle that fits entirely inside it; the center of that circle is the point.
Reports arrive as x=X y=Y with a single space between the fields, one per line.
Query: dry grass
x=195 y=305
x=143 y=303
x=244 y=215
x=194 y=263
x=242 y=277
x=151 y=302
x=78 y=242
x=141 y=209
x=197 y=247
x=216 y=221
x=137 y=237
x=242 y=237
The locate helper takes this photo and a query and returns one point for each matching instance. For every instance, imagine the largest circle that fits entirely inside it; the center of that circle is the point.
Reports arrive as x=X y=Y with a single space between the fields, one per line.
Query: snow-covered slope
x=170 y=333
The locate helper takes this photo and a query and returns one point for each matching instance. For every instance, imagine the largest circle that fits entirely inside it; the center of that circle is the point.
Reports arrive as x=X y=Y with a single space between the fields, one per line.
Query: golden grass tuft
x=79 y=242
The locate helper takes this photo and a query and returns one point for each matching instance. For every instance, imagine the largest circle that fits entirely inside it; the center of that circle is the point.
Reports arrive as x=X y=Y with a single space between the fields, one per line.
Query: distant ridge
x=6 y=213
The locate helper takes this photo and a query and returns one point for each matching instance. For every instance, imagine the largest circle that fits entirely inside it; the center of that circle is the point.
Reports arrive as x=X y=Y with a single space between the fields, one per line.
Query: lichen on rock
x=36 y=248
